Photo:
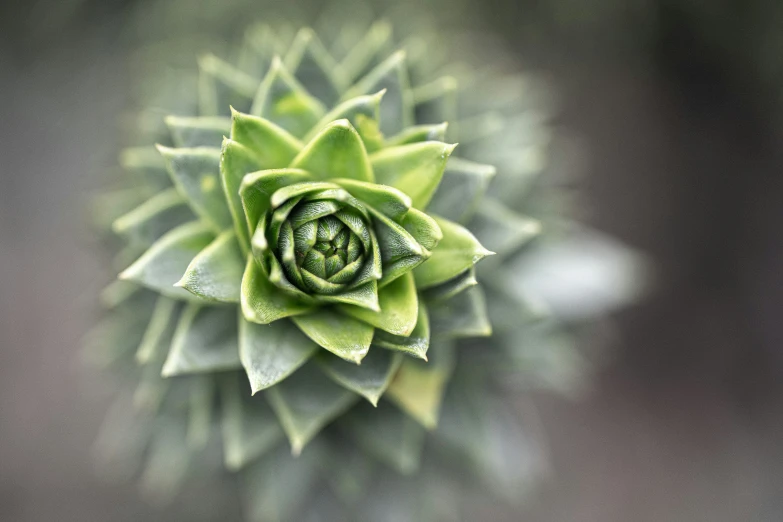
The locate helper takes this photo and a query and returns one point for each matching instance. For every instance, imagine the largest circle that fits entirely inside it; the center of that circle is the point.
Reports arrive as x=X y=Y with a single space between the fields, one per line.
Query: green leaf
x=488 y=435
x=162 y=316
x=306 y=402
x=270 y=353
x=205 y=341
x=335 y=152
x=463 y=186
x=372 y=268
x=419 y=133
x=151 y=389
x=141 y=158
x=221 y=85
x=117 y=292
x=343 y=336
x=387 y=200
x=108 y=205
x=121 y=443
x=124 y=257
x=464 y=315
x=362 y=297
x=257 y=189
x=248 y=425
x=313 y=66
x=205 y=131
x=259 y=46
x=423 y=228
x=200 y=394
x=215 y=273
x=160 y=267
x=273 y=146
x=416 y=344
x=283 y=194
x=366 y=106
x=370 y=379
x=370 y=131
x=397 y=104
x=399 y=308
x=236 y=161
x=146 y=223
x=544 y=356
x=276 y=487
x=388 y=435
x=356 y=223
x=195 y=174
x=456 y=252
x=167 y=464
x=502 y=229
x=418 y=387
x=400 y=252
x=415 y=169
x=278 y=278
x=262 y=302
x=436 y=101
x=117 y=335
x=347 y=474
x=362 y=53
x=145 y=166
x=153 y=350
x=452 y=287
x=284 y=101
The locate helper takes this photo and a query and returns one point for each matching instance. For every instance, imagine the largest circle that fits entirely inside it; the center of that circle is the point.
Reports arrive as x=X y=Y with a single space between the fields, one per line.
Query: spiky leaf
x=216 y=272
x=205 y=341
x=248 y=425
x=270 y=353
x=164 y=263
x=306 y=402
x=414 y=169
x=456 y=252
x=343 y=336
x=369 y=380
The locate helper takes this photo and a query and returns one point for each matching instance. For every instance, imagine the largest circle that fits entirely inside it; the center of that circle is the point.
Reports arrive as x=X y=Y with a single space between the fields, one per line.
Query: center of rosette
x=321 y=245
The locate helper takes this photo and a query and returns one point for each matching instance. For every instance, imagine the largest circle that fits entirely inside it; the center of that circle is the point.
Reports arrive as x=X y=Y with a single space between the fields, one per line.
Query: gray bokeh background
x=678 y=105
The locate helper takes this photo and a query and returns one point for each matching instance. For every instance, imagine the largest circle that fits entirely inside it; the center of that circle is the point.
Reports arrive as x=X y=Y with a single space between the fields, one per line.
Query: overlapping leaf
x=315 y=268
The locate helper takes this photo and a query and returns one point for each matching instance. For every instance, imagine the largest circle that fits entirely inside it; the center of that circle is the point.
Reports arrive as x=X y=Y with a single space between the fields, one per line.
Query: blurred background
x=678 y=104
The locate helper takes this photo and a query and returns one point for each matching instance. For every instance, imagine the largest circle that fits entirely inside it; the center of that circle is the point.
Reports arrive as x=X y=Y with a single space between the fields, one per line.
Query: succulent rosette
x=299 y=260
x=325 y=238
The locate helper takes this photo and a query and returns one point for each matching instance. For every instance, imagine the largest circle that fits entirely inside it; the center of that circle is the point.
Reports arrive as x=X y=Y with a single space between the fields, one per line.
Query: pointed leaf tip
x=270 y=353
x=195 y=173
x=165 y=261
x=306 y=402
x=456 y=252
x=369 y=380
x=398 y=313
x=345 y=337
x=215 y=273
x=397 y=107
x=416 y=168
x=337 y=151
x=205 y=341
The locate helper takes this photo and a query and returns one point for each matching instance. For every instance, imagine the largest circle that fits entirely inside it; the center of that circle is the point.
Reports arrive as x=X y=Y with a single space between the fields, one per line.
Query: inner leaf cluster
x=319 y=251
